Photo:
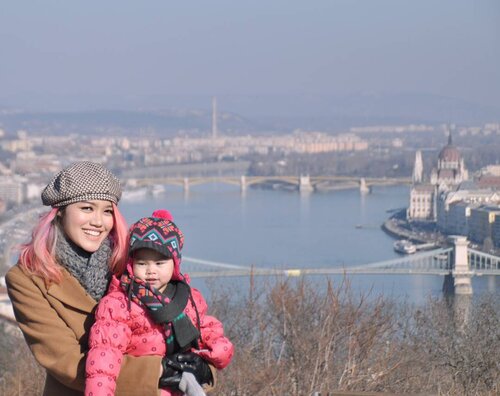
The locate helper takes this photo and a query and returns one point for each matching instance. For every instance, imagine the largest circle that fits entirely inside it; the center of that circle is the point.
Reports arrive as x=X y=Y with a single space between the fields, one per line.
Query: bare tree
x=294 y=338
x=19 y=372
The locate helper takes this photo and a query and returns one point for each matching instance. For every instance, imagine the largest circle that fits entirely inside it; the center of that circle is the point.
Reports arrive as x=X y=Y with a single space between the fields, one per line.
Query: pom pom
x=163 y=214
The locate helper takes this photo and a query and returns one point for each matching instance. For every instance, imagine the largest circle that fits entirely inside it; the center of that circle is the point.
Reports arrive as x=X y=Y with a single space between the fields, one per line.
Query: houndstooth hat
x=82 y=181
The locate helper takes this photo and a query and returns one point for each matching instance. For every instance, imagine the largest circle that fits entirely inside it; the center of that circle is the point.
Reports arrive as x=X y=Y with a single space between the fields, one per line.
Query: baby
x=152 y=310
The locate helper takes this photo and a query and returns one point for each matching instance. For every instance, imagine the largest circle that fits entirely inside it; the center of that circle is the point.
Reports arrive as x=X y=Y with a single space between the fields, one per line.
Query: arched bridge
x=303 y=182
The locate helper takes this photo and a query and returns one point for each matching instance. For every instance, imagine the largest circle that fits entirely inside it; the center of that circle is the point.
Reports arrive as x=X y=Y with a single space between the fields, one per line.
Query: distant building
x=34 y=190
x=489 y=177
x=457 y=219
x=450 y=172
x=5 y=170
x=481 y=224
x=488 y=181
x=422 y=203
x=454 y=207
x=451 y=168
x=12 y=189
x=495 y=232
x=491 y=170
x=29 y=162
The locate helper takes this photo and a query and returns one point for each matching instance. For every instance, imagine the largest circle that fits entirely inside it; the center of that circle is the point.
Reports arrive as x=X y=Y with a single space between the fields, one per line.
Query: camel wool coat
x=56 y=321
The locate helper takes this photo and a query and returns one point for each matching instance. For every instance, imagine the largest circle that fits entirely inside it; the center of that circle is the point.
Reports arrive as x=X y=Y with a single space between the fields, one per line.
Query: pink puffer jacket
x=118 y=331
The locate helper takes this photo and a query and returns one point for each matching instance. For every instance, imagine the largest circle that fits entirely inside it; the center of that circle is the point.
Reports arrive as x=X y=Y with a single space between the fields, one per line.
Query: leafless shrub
x=294 y=338
x=19 y=372
x=299 y=339
x=460 y=344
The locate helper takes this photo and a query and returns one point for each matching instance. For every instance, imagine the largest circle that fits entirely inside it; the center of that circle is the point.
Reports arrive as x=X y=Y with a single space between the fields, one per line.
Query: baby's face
x=153 y=267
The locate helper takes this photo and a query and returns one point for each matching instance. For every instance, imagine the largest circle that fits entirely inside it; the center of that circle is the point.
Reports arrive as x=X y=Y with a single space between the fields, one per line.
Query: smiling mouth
x=92 y=233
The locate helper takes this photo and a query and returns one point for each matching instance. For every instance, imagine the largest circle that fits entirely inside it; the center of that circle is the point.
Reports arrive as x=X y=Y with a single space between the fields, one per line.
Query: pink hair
x=37 y=257
x=120 y=243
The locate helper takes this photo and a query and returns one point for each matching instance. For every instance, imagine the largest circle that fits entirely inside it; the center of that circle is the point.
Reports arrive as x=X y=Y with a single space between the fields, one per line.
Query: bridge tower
x=243 y=183
x=363 y=187
x=461 y=273
x=305 y=185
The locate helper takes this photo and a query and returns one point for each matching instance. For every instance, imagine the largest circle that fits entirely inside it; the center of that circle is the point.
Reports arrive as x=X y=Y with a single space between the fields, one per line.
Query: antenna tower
x=214 y=117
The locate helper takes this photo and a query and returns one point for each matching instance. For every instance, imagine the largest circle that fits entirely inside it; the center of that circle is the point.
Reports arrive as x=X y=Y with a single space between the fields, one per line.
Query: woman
x=64 y=271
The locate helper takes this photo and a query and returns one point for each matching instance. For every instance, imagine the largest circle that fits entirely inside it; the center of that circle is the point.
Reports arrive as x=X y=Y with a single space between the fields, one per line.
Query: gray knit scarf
x=90 y=269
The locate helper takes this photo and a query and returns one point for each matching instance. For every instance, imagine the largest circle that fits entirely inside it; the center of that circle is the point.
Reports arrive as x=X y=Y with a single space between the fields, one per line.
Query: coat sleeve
x=215 y=347
x=108 y=341
x=57 y=349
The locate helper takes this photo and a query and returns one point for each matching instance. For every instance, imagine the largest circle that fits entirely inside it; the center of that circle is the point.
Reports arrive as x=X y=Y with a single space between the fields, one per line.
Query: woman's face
x=88 y=223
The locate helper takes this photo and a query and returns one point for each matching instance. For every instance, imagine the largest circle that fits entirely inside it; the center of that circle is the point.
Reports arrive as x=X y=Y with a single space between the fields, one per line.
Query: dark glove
x=172 y=373
x=194 y=364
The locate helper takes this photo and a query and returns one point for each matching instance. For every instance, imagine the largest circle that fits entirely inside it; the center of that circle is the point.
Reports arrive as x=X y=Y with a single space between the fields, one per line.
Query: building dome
x=449 y=153
x=450 y=168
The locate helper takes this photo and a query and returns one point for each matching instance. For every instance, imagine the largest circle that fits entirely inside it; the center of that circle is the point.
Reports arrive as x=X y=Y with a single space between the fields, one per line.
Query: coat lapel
x=70 y=292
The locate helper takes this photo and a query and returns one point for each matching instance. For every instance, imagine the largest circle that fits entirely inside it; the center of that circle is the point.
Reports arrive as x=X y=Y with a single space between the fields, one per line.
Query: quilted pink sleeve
x=109 y=337
x=215 y=348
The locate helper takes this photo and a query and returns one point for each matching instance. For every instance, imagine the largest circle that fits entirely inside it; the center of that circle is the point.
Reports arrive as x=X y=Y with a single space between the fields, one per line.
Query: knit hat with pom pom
x=159 y=233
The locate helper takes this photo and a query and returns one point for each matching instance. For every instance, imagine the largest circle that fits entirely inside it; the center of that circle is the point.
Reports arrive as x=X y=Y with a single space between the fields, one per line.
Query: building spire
x=214 y=117
x=418 y=168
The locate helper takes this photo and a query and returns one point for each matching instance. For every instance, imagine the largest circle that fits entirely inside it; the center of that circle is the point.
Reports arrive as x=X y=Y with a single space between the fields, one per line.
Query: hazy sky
x=54 y=49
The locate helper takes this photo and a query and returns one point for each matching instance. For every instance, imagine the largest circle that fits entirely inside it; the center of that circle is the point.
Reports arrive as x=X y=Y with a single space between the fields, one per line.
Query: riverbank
x=399 y=228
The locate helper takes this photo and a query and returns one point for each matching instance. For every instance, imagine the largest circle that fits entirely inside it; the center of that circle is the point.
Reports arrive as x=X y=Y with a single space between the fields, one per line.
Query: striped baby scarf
x=166 y=308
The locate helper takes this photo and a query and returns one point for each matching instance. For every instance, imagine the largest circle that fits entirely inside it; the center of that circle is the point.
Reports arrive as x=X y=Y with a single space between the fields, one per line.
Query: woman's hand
x=174 y=365
x=194 y=364
x=171 y=373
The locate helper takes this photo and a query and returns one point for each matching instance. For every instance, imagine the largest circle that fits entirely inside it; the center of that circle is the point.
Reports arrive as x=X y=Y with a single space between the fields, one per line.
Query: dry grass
x=293 y=338
x=19 y=372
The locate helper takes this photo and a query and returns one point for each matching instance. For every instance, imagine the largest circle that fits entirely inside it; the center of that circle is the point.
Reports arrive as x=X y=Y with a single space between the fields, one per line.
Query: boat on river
x=404 y=246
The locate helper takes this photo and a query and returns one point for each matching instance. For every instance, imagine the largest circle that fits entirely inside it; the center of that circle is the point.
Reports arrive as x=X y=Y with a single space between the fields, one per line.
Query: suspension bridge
x=458 y=261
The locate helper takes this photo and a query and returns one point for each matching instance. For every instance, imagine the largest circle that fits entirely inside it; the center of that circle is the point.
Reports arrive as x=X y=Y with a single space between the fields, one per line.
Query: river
x=284 y=229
